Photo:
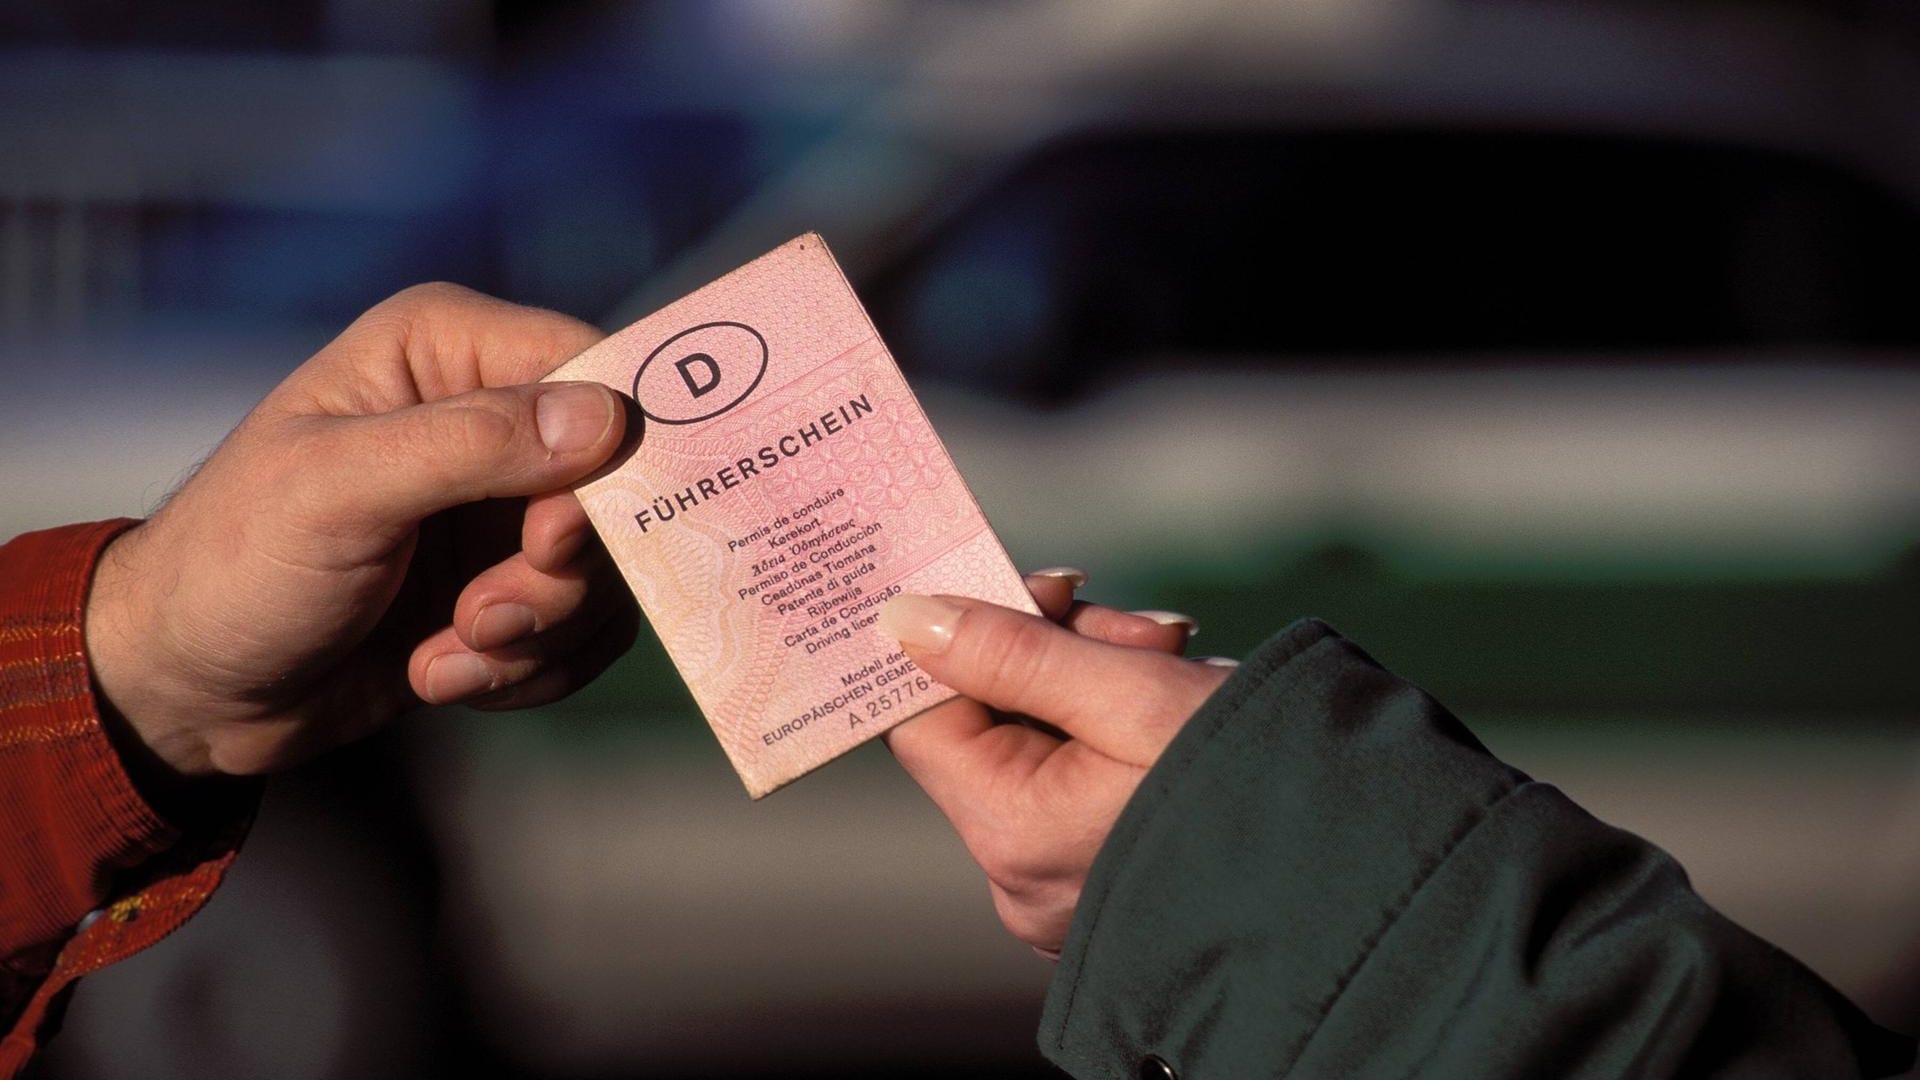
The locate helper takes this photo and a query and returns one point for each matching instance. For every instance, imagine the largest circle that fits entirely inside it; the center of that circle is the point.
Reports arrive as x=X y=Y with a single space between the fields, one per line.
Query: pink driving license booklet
x=783 y=484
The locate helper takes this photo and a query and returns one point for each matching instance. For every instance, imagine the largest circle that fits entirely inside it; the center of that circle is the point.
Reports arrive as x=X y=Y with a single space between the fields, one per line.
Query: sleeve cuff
x=73 y=812
x=1286 y=792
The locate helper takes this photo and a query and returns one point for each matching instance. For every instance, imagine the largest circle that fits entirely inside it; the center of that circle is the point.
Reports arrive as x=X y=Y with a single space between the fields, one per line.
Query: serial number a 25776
x=897 y=695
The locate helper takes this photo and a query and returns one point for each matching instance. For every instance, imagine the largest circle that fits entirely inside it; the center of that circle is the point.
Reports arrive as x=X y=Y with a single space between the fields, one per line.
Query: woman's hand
x=1034 y=802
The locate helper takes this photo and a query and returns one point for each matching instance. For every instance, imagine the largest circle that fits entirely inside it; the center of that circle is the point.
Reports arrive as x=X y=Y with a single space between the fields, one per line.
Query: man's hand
x=389 y=525
x=1033 y=803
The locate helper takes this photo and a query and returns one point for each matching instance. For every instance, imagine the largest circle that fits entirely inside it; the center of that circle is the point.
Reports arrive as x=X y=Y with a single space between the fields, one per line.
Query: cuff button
x=1155 y=1067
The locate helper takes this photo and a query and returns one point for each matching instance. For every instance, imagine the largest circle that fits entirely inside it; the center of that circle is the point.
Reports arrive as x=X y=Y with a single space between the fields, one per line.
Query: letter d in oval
x=700 y=372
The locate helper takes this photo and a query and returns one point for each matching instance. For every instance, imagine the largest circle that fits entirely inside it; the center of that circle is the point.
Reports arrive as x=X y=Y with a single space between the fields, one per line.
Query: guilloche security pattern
x=783 y=484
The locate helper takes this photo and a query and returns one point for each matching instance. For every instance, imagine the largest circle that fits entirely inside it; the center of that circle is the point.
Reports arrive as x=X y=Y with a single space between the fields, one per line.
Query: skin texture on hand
x=390 y=525
x=1059 y=722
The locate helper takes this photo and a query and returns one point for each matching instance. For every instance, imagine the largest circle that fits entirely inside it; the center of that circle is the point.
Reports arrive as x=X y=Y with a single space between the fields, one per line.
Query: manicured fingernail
x=925 y=622
x=1218 y=661
x=1072 y=574
x=455 y=676
x=1172 y=618
x=573 y=416
x=502 y=624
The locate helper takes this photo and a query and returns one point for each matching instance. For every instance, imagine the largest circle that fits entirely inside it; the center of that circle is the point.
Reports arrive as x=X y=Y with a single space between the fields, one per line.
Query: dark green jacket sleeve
x=1326 y=875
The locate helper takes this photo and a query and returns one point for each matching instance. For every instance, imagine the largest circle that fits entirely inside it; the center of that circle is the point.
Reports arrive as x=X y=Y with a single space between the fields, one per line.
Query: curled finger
x=512 y=601
x=1053 y=589
x=1161 y=631
x=555 y=530
x=560 y=676
x=444 y=669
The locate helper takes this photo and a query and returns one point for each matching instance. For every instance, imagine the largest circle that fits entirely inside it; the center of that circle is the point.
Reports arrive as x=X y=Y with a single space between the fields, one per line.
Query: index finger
x=434 y=341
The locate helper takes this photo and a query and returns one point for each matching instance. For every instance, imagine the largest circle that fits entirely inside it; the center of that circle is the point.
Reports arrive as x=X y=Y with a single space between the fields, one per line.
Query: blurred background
x=1564 y=355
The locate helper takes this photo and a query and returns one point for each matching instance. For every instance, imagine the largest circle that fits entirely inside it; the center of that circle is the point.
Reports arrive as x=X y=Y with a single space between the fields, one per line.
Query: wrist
x=161 y=751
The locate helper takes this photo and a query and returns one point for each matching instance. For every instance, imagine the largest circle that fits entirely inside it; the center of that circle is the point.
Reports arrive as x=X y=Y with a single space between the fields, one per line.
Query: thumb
x=392 y=469
x=1125 y=702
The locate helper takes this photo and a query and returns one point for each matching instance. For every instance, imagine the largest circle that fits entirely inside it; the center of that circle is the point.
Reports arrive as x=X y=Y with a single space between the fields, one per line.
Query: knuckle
x=1016 y=857
x=435 y=326
x=1013 y=914
x=1032 y=919
x=564 y=335
x=429 y=296
x=411 y=317
x=1001 y=858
